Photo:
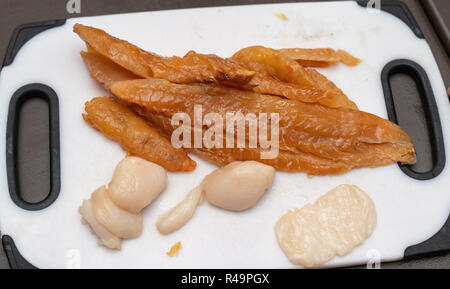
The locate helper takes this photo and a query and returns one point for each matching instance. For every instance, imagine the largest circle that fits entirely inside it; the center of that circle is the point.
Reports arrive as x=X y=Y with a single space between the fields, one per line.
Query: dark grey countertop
x=15 y=12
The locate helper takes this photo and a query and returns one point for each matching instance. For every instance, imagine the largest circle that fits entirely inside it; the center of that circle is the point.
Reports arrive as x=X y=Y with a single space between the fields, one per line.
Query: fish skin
x=289 y=158
x=264 y=84
x=273 y=63
x=105 y=71
x=298 y=121
x=134 y=135
x=286 y=160
x=347 y=59
x=339 y=97
x=193 y=67
x=281 y=75
x=320 y=57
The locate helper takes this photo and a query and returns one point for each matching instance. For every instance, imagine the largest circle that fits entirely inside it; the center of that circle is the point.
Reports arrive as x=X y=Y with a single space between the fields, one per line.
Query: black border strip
x=19 y=97
x=434 y=246
x=429 y=106
x=25 y=32
x=15 y=259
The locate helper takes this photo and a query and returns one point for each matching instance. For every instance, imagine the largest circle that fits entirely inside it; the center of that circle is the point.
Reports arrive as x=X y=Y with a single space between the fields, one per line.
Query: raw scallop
x=179 y=215
x=121 y=223
x=333 y=226
x=239 y=185
x=136 y=183
x=105 y=237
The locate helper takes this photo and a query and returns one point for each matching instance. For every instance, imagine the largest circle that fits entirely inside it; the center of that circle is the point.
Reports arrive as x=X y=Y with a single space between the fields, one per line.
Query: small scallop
x=333 y=226
x=121 y=223
x=105 y=237
x=136 y=183
x=238 y=185
x=179 y=215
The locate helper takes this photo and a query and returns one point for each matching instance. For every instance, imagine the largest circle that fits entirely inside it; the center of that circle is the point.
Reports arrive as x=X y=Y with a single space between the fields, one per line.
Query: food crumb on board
x=281 y=16
x=174 y=249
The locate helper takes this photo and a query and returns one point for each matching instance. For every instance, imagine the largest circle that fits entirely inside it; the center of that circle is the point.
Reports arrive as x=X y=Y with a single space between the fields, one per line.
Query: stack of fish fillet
x=321 y=131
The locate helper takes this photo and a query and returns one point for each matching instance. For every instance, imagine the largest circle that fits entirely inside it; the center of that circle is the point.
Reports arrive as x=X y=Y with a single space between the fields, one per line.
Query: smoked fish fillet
x=104 y=70
x=193 y=67
x=352 y=138
x=320 y=57
x=122 y=125
x=324 y=83
x=284 y=161
x=288 y=159
x=291 y=79
x=274 y=63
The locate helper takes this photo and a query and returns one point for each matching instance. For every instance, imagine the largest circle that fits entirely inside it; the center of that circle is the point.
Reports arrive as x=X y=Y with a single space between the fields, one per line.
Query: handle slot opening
x=410 y=103
x=33 y=150
x=32 y=147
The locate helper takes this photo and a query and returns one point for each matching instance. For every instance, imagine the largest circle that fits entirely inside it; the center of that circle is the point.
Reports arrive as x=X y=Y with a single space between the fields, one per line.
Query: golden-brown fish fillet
x=133 y=134
x=104 y=70
x=325 y=84
x=274 y=63
x=107 y=73
x=320 y=57
x=284 y=161
x=291 y=79
x=346 y=137
x=193 y=67
x=330 y=161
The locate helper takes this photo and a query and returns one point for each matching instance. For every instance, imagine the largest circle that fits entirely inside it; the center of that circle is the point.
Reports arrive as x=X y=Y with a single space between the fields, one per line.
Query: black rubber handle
x=24 y=93
x=430 y=109
x=15 y=259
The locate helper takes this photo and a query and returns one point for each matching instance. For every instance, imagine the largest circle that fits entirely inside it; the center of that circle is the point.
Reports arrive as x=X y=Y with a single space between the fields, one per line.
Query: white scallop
x=238 y=185
x=121 y=223
x=179 y=215
x=105 y=237
x=333 y=226
x=136 y=183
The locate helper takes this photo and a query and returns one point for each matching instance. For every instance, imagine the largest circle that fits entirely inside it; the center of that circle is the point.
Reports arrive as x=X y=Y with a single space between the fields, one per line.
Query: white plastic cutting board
x=409 y=211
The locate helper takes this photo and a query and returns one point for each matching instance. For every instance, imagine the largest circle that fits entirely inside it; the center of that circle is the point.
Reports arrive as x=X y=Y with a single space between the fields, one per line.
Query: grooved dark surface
x=33 y=155
x=416 y=127
x=439 y=13
x=15 y=12
x=419 y=116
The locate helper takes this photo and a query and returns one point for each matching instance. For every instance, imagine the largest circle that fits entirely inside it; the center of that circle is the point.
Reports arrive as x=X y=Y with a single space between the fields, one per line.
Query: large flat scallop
x=333 y=226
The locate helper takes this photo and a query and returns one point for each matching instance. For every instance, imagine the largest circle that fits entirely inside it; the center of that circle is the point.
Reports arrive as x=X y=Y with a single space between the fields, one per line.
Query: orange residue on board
x=174 y=249
x=281 y=16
